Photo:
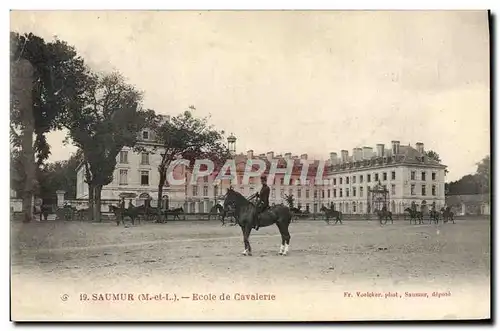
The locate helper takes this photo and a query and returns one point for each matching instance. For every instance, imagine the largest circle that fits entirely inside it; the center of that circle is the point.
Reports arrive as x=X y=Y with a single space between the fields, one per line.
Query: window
x=334 y=192
x=340 y=193
x=205 y=179
x=393 y=189
x=195 y=191
x=144 y=158
x=322 y=194
x=145 y=135
x=347 y=192
x=354 y=207
x=205 y=191
x=376 y=177
x=433 y=176
x=384 y=176
x=354 y=179
x=423 y=190
x=123 y=157
x=347 y=180
x=335 y=181
x=412 y=175
x=315 y=194
x=123 y=177
x=282 y=181
x=412 y=189
x=433 y=189
x=423 y=175
x=393 y=175
x=361 y=191
x=273 y=193
x=307 y=194
x=360 y=178
x=353 y=191
x=290 y=192
x=299 y=193
x=340 y=179
x=144 y=177
x=328 y=195
x=368 y=178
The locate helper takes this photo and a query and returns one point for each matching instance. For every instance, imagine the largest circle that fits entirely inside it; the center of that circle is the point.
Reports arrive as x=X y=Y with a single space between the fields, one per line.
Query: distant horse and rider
x=253 y=215
x=384 y=215
x=331 y=213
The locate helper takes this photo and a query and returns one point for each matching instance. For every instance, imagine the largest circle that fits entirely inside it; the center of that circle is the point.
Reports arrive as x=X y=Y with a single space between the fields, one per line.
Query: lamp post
x=217 y=183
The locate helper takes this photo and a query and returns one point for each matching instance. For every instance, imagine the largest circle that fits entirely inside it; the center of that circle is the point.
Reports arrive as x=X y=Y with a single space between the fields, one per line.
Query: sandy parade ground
x=193 y=270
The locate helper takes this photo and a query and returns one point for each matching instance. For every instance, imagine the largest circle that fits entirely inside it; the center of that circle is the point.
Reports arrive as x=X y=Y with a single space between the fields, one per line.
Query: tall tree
x=59 y=175
x=45 y=78
x=290 y=200
x=435 y=156
x=191 y=138
x=107 y=118
x=483 y=174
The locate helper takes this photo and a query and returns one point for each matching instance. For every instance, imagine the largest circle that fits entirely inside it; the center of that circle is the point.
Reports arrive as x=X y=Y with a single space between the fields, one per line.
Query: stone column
x=463 y=208
x=60 y=198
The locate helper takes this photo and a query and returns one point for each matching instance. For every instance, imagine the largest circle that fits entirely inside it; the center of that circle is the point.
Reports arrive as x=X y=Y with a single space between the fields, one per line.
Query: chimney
x=344 y=155
x=303 y=156
x=380 y=150
x=367 y=152
x=420 y=148
x=262 y=155
x=395 y=147
x=270 y=156
x=288 y=156
x=250 y=154
x=279 y=156
x=333 y=158
x=358 y=154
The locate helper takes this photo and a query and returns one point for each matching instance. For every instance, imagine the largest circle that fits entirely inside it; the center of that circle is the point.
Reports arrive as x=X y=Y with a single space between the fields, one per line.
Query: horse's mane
x=240 y=197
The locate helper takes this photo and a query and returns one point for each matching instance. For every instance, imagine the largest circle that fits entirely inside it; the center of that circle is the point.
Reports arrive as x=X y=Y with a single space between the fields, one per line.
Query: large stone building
x=406 y=173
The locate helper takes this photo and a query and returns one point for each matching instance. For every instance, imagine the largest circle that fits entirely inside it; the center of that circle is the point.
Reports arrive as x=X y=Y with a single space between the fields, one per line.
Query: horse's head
x=323 y=208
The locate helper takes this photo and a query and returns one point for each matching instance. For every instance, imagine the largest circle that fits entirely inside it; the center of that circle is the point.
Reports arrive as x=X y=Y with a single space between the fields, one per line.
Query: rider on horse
x=262 y=200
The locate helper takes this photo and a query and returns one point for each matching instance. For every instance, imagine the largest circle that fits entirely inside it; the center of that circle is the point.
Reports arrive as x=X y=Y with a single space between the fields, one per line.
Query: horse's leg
x=283 y=241
x=246 y=234
x=286 y=234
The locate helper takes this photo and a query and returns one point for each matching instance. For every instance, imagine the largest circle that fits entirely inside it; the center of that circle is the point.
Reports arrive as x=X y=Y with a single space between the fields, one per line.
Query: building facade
x=406 y=173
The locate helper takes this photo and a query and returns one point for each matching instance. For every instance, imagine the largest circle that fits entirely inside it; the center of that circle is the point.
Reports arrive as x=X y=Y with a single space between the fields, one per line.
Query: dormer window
x=145 y=135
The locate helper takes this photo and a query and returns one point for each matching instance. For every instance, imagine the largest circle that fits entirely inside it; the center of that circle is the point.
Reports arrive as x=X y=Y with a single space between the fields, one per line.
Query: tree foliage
x=290 y=200
x=59 y=79
x=104 y=119
x=478 y=183
x=191 y=138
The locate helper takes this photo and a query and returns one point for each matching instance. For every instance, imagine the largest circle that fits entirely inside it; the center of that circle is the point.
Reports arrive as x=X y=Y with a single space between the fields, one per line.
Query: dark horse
x=121 y=213
x=331 y=213
x=447 y=215
x=216 y=211
x=415 y=215
x=175 y=212
x=245 y=211
x=433 y=216
x=384 y=215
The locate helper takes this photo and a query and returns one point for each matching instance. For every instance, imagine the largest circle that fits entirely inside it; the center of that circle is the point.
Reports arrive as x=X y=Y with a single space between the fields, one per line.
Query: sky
x=310 y=82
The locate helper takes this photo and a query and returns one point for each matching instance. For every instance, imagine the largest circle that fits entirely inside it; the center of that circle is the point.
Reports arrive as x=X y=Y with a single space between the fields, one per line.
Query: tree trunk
x=97 y=207
x=91 y=201
x=23 y=93
x=163 y=177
